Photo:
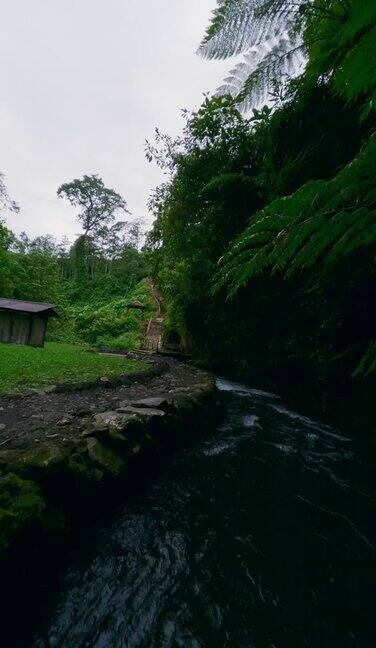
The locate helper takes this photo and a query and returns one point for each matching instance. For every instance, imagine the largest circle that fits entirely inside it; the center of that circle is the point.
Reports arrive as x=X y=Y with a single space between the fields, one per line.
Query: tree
x=97 y=203
x=208 y=199
x=8 y=266
x=135 y=233
x=264 y=240
x=45 y=244
x=39 y=278
x=5 y=201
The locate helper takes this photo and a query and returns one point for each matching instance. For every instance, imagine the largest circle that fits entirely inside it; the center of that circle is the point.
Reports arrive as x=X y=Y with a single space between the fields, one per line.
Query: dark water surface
x=262 y=535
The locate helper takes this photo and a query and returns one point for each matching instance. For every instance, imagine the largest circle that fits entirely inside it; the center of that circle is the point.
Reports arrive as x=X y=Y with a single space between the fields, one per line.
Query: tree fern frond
x=327 y=231
x=282 y=62
x=267 y=33
x=255 y=266
x=228 y=29
x=339 y=36
x=238 y=25
x=317 y=226
x=367 y=364
x=362 y=231
x=345 y=49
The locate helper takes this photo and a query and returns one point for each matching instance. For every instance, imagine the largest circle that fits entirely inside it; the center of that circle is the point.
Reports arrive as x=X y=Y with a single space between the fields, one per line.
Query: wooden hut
x=24 y=322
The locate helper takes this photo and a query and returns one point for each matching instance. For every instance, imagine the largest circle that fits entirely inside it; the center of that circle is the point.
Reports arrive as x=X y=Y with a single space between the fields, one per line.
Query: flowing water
x=261 y=535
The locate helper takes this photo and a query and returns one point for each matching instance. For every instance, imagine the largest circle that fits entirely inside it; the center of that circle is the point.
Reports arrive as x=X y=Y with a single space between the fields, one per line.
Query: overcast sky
x=83 y=84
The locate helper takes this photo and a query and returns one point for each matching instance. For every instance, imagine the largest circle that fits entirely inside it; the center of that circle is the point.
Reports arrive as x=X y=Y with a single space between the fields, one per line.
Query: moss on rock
x=111 y=462
x=79 y=464
x=21 y=502
x=42 y=488
x=44 y=459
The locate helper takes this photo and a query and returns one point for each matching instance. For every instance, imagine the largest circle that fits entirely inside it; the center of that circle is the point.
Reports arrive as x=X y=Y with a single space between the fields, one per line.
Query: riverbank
x=333 y=400
x=259 y=534
x=69 y=453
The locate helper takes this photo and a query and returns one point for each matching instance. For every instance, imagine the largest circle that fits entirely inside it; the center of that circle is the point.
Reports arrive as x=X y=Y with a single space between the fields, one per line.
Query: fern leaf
x=367 y=364
x=317 y=226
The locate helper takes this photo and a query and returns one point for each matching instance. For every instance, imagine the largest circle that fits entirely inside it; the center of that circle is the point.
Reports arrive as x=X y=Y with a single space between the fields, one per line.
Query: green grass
x=23 y=367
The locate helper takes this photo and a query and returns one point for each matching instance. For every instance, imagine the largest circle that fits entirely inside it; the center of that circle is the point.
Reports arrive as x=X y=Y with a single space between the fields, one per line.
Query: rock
x=152 y=401
x=184 y=401
x=109 y=420
x=42 y=391
x=88 y=432
x=84 y=424
x=141 y=411
x=83 y=411
x=118 y=437
x=45 y=458
x=104 y=456
x=20 y=502
x=66 y=420
x=111 y=425
x=106 y=430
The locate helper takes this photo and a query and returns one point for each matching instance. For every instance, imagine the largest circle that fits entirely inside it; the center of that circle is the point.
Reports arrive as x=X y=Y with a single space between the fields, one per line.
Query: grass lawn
x=22 y=366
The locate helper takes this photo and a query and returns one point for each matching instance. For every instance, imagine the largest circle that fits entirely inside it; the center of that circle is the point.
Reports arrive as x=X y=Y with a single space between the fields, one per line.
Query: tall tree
x=97 y=203
x=5 y=201
x=8 y=266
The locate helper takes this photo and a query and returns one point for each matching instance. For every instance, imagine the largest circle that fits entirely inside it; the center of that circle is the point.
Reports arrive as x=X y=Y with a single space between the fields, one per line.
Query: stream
x=260 y=535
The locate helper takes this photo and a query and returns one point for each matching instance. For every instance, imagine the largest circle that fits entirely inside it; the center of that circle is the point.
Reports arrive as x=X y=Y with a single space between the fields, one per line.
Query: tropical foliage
x=90 y=281
x=265 y=238
x=268 y=35
x=277 y=37
x=317 y=227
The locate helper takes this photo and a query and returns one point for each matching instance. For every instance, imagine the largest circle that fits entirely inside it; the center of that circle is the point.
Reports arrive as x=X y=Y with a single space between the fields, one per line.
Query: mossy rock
x=80 y=465
x=21 y=502
x=100 y=454
x=47 y=458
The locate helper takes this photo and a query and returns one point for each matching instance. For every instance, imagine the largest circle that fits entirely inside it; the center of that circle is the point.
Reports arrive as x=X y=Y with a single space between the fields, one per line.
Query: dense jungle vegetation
x=264 y=238
x=91 y=281
x=265 y=234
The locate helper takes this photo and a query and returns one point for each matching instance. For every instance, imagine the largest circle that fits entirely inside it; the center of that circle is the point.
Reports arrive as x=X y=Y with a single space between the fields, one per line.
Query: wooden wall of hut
x=17 y=328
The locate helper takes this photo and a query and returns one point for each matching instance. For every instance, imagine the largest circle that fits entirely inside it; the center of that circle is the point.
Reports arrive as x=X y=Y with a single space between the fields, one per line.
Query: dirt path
x=32 y=419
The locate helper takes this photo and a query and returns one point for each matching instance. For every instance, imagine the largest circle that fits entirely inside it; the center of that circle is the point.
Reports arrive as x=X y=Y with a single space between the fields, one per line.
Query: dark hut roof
x=28 y=307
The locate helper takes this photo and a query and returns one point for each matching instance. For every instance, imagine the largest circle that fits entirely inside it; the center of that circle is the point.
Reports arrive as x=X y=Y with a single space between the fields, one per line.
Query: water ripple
x=261 y=535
